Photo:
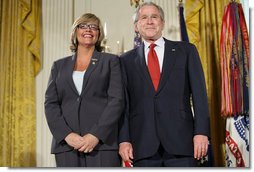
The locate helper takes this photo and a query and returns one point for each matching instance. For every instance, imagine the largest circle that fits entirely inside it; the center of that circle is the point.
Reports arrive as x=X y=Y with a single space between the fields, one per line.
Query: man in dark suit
x=158 y=127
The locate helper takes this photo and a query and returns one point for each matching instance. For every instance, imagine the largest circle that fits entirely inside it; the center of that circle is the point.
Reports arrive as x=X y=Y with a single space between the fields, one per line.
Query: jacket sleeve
x=124 y=120
x=111 y=114
x=199 y=95
x=52 y=104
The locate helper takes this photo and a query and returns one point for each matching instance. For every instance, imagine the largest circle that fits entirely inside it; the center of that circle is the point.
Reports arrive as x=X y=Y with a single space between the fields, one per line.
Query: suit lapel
x=168 y=62
x=69 y=71
x=142 y=67
x=93 y=64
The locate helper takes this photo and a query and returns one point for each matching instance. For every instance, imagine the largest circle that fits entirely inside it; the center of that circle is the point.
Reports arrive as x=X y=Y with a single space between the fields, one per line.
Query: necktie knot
x=152 y=45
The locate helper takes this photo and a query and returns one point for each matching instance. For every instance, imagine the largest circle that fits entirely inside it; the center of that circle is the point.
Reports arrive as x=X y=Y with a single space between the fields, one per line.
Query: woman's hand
x=74 y=140
x=90 y=141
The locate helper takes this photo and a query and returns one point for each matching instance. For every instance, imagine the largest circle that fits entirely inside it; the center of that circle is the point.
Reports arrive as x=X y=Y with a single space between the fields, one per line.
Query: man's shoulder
x=183 y=44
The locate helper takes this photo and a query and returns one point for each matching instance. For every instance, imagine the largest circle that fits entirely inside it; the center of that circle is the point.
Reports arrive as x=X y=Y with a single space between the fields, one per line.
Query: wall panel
x=56 y=21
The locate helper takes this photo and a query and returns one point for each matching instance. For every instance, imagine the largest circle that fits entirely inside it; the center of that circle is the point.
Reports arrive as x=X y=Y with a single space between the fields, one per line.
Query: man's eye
x=144 y=17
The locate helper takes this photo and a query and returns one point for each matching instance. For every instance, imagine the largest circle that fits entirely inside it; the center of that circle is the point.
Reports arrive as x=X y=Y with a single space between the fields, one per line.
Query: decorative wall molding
x=56 y=25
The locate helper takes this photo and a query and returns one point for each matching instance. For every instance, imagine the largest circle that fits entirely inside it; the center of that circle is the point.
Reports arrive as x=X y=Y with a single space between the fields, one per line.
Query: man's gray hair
x=136 y=14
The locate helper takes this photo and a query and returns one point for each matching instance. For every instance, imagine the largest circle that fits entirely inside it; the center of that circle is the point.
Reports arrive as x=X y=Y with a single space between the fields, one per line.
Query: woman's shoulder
x=108 y=55
x=64 y=59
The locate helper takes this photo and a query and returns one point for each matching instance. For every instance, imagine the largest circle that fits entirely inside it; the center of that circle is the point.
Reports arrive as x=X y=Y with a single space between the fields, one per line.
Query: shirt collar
x=159 y=42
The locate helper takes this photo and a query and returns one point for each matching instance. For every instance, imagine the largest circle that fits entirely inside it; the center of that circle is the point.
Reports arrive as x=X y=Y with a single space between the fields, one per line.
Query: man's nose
x=149 y=20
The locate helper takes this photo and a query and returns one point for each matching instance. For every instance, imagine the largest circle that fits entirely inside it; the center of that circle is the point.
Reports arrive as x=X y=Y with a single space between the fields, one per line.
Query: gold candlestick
x=105 y=48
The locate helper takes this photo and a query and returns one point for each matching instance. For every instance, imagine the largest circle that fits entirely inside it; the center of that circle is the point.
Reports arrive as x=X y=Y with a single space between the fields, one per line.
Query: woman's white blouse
x=78 y=79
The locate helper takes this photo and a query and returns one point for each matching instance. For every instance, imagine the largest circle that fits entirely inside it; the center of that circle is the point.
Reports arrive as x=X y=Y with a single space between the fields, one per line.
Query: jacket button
x=78 y=99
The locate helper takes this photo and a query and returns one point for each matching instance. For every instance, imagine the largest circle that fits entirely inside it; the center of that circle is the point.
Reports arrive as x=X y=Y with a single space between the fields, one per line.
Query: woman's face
x=87 y=34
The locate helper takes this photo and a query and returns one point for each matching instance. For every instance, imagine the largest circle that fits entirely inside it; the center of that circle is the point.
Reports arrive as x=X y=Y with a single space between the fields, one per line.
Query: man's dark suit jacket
x=165 y=116
x=96 y=111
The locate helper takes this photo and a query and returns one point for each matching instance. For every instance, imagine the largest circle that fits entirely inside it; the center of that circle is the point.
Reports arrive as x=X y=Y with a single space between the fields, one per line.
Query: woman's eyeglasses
x=93 y=27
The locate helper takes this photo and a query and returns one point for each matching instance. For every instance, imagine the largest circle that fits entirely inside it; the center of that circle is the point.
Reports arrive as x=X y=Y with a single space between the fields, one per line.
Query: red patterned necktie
x=153 y=66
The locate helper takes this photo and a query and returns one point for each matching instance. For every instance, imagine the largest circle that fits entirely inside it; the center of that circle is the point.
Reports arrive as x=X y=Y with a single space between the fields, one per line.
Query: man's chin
x=151 y=37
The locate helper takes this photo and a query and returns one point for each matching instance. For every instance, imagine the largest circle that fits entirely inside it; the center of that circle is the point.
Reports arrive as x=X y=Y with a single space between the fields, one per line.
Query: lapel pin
x=94 y=61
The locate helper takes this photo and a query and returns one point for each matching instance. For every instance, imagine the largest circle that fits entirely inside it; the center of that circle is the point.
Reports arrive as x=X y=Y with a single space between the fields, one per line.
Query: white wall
x=57 y=19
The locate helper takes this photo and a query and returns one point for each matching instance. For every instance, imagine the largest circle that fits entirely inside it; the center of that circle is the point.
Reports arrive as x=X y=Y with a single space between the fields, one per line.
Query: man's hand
x=126 y=151
x=74 y=140
x=200 y=146
x=90 y=141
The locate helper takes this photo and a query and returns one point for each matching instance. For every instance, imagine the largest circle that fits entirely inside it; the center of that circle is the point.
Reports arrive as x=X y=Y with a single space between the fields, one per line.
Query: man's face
x=149 y=24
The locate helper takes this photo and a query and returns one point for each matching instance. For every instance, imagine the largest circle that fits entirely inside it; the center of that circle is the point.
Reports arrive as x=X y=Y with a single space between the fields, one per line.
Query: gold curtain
x=19 y=64
x=203 y=22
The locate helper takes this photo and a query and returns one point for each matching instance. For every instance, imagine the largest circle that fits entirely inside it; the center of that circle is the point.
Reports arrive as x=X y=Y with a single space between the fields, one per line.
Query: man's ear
x=163 y=25
x=136 y=27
